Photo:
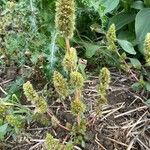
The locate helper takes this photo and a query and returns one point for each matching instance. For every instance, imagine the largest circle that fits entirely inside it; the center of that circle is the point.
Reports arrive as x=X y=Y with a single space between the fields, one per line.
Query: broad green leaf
x=81 y=66
x=109 y=5
x=137 y=5
x=142 y=24
x=90 y=49
x=126 y=35
x=127 y=46
x=3 y=130
x=135 y=62
x=147 y=86
x=122 y=19
x=136 y=86
x=148 y=102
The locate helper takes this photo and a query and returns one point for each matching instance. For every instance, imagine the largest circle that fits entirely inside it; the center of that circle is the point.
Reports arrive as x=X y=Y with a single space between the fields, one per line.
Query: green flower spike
x=41 y=105
x=111 y=37
x=147 y=48
x=65 y=17
x=15 y=121
x=70 y=60
x=105 y=77
x=3 y=108
x=29 y=92
x=60 y=84
x=76 y=80
x=77 y=107
x=32 y=95
x=51 y=143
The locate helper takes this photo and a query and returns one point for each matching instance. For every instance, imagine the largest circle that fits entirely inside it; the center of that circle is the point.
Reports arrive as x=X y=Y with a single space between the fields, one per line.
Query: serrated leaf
x=127 y=46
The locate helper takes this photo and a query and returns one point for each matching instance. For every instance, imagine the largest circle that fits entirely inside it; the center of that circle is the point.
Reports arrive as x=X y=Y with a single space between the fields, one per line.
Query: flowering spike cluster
x=32 y=95
x=77 y=107
x=29 y=92
x=52 y=143
x=104 y=84
x=70 y=60
x=60 y=84
x=147 y=48
x=105 y=77
x=111 y=37
x=65 y=17
x=15 y=121
x=104 y=81
x=3 y=108
x=41 y=105
x=76 y=80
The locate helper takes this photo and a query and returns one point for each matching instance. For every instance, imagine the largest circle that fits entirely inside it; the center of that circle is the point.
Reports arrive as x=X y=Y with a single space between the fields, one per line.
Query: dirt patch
x=123 y=125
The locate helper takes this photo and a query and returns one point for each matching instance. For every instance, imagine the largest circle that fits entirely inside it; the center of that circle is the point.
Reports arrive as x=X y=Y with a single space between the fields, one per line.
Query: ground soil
x=123 y=125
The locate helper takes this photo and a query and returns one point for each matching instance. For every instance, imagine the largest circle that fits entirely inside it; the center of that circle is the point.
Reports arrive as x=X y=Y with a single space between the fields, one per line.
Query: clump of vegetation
x=104 y=78
x=47 y=45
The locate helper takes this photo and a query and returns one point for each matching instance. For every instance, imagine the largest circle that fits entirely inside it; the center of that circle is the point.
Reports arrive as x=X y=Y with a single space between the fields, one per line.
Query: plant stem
x=128 y=68
x=49 y=112
x=67 y=44
x=77 y=97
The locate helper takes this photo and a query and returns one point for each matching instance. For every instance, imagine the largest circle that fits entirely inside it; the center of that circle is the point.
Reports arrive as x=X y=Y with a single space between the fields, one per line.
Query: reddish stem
x=56 y=121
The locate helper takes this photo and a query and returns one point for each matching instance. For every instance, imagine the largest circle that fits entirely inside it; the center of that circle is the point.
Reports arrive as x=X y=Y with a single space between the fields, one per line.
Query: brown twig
x=56 y=121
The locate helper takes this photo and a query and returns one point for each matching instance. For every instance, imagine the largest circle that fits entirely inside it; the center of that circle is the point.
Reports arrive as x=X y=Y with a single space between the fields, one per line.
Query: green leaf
x=127 y=46
x=136 y=86
x=81 y=67
x=135 y=62
x=109 y=6
x=148 y=102
x=3 y=130
x=147 y=86
x=34 y=57
x=138 y=5
x=142 y=24
x=147 y=3
x=90 y=49
x=122 y=19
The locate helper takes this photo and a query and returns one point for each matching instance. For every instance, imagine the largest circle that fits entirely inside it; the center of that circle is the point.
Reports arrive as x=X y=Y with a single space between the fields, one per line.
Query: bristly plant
x=73 y=84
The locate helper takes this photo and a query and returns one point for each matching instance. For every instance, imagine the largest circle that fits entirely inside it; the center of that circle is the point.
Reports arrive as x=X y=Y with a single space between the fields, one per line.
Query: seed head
x=105 y=77
x=15 y=121
x=147 y=48
x=29 y=92
x=76 y=80
x=32 y=95
x=60 y=84
x=111 y=37
x=51 y=143
x=77 y=107
x=70 y=60
x=65 y=17
x=41 y=105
